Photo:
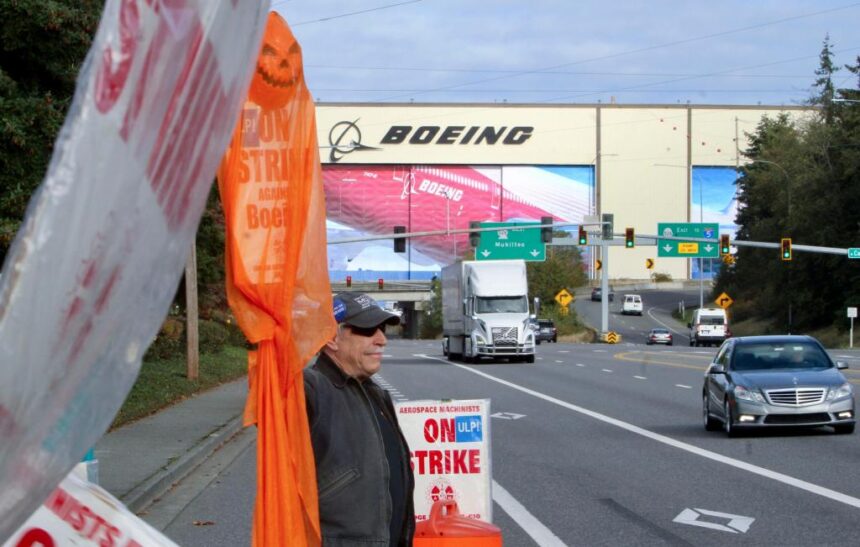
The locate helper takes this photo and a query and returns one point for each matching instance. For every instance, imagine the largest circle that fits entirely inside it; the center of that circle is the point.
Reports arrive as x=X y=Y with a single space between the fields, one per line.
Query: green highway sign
x=688 y=249
x=513 y=242
x=854 y=252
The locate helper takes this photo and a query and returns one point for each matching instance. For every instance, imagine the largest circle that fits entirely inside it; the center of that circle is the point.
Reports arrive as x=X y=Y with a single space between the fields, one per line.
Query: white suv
x=632 y=305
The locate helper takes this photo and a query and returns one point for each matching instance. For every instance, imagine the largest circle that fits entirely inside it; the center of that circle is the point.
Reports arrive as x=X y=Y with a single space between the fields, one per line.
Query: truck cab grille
x=505 y=336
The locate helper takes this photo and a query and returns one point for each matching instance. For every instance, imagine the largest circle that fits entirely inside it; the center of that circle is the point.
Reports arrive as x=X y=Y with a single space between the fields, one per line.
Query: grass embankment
x=830 y=337
x=163 y=382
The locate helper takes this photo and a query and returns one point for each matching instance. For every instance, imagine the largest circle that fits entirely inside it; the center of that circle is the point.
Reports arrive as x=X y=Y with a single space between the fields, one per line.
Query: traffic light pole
x=604 y=287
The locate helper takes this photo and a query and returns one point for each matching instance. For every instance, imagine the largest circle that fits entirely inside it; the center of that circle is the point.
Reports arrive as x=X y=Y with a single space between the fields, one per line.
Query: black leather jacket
x=352 y=469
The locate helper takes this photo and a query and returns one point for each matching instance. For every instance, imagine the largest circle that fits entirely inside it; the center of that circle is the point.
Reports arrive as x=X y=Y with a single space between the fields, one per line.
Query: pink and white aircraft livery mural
x=371 y=200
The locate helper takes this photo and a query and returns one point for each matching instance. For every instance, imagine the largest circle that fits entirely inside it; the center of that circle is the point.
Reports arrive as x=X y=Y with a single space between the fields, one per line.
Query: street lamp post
x=787 y=224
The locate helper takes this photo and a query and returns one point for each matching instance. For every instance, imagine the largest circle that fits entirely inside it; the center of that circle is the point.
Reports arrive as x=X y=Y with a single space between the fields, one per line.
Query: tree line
x=801 y=181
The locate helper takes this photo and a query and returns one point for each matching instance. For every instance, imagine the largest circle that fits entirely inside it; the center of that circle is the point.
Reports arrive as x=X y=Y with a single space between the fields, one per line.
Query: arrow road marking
x=737 y=523
x=507 y=416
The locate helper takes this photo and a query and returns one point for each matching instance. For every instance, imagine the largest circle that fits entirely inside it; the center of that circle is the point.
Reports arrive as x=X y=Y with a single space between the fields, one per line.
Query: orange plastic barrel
x=446 y=527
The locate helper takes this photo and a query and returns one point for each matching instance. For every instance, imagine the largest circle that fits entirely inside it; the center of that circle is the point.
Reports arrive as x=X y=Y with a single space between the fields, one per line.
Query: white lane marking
x=683 y=386
x=600 y=351
x=557 y=361
x=606 y=370
x=564 y=351
x=580 y=365
x=654 y=317
x=507 y=415
x=541 y=535
x=386 y=355
x=640 y=377
x=669 y=441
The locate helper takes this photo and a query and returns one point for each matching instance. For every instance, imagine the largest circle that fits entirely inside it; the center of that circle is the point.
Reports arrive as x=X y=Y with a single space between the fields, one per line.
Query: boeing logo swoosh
x=344 y=138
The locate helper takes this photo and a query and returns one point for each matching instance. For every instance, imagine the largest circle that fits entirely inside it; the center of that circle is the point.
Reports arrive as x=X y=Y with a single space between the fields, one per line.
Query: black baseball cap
x=360 y=310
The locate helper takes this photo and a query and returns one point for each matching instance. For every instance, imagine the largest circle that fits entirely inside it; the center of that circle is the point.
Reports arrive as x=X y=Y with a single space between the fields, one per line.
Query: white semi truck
x=485 y=311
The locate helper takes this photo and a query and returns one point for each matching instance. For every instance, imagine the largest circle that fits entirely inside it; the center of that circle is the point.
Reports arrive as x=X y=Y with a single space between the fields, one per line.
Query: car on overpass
x=776 y=381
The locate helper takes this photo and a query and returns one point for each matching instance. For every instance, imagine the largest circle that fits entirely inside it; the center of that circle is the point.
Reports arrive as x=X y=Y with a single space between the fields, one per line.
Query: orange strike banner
x=277 y=282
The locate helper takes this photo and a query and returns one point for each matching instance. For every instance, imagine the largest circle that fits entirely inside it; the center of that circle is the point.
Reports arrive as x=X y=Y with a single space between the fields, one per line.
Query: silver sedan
x=776 y=381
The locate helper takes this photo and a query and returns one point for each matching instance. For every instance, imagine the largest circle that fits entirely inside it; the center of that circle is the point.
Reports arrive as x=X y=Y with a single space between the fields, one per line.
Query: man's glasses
x=366 y=331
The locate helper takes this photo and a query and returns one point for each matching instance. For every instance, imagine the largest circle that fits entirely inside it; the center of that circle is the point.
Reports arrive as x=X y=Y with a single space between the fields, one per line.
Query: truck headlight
x=838 y=393
x=748 y=394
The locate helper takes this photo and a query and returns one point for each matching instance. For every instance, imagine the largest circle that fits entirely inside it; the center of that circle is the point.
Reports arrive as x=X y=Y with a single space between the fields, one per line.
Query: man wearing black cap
x=364 y=478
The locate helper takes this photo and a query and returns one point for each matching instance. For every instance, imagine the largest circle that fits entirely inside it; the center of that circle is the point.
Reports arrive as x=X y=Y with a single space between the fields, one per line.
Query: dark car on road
x=776 y=381
x=597 y=294
x=546 y=331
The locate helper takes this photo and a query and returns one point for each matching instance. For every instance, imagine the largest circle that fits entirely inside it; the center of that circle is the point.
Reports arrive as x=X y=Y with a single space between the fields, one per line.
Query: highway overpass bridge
x=408 y=296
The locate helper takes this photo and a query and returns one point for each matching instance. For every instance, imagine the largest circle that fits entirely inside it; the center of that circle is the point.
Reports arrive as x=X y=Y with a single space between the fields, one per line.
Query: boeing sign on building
x=437 y=167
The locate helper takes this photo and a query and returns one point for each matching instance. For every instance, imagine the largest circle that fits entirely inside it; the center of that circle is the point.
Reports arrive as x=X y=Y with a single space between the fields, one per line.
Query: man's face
x=357 y=355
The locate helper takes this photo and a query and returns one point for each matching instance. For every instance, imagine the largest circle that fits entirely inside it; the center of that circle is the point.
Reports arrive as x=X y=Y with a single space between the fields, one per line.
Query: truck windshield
x=502 y=304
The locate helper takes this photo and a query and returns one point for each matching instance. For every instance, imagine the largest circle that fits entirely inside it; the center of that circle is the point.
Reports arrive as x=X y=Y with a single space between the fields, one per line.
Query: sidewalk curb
x=148 y=491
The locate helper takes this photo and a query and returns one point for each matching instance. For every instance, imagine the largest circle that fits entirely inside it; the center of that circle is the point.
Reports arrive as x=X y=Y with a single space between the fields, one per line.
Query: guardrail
x=387 y=286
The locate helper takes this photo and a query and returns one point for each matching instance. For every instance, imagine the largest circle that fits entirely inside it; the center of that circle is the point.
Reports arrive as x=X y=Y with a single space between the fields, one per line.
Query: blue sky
x=565 y=51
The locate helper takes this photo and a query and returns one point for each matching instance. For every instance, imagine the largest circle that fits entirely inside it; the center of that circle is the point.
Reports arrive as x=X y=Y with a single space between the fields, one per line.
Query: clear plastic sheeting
x=96 y=263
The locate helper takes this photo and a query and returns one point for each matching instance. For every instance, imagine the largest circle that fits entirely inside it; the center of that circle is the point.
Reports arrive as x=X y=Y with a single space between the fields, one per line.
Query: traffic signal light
x=786 y=248
x=399 y=242
x=607 y=225
x=546 y=233
x=629 y=238
x=380 y=283
x=725 y=248
x=474 y=237
x=348 y=281
x=583 y=236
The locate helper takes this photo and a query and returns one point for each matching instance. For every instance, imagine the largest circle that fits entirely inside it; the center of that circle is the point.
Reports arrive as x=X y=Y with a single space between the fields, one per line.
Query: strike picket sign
x=450 y=448
x=81 y=513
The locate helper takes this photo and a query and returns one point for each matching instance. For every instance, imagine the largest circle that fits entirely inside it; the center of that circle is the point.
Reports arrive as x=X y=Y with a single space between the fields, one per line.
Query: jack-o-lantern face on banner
x=279 y=66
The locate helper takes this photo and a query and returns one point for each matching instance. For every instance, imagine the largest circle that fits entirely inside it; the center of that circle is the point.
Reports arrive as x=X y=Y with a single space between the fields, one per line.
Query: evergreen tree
x=824 y=91
x=42 y=45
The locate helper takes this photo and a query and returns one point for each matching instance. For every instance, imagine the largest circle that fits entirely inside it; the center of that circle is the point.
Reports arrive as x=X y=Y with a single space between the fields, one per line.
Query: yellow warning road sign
x=564 y=298
x=649 y=263
x=612 y=337
x=724 y=301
